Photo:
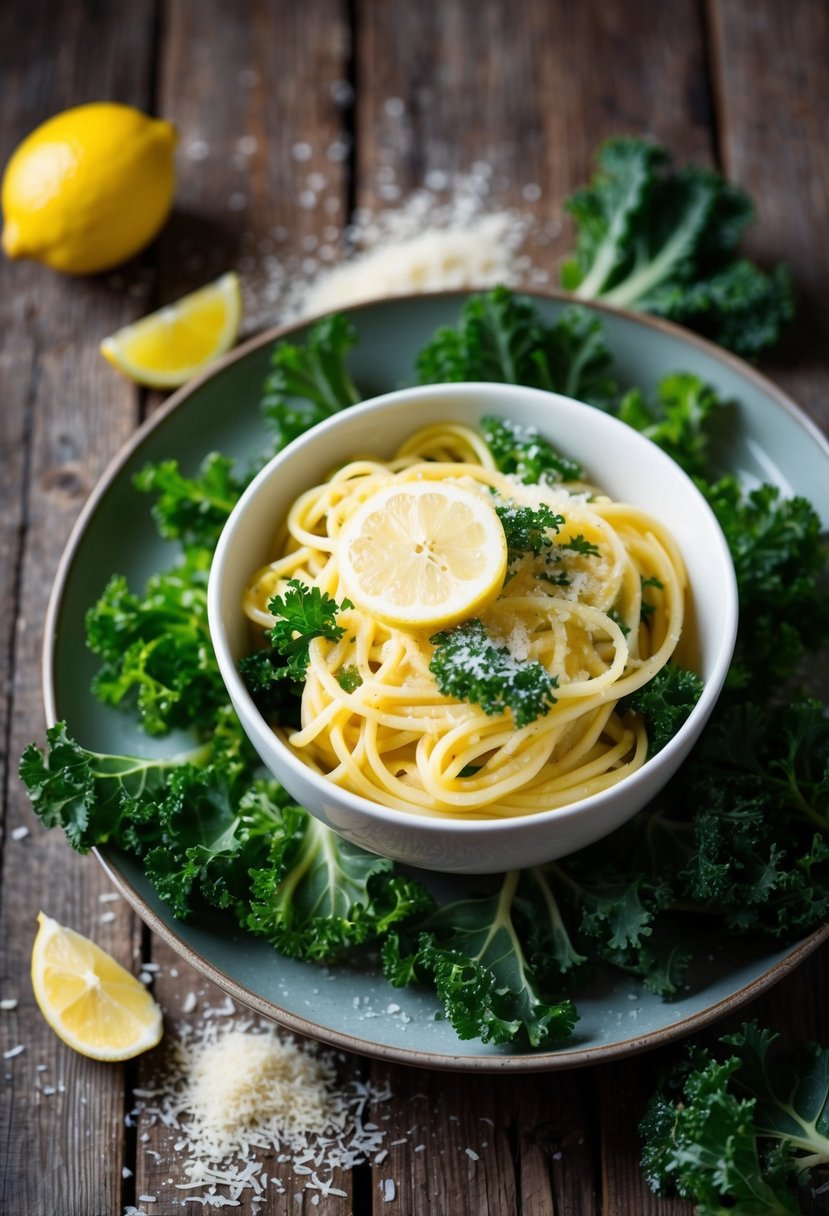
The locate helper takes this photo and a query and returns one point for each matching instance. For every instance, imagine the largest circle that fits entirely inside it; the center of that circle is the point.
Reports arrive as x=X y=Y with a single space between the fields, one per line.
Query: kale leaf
x=756 y=793
x=212 y=833
x=677 y=419
x=492 y=961
x=523 y=452
x=318 y=894
x=191 y=509
x=155 y=649
x=528 y=529
x=308 y=383
x=273 y=673
x=469 y=666
x=664 y=240
x=741 y=1131
x=780 y=562
x=500 y=337
x=302 y=614
x=665 y=703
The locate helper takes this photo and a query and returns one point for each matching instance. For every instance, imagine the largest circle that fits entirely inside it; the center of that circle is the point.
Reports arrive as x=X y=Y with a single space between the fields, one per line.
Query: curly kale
x=314 y=895
x=779 y=558
x=308 y=383
x=523 y=452
x=155 y=648
x=677 y=419
x=469 y=666
x=665 y=241
x=500 y=337
x=665 y=703
x=192 y=510
x=494 y=961
x=740 y=1130
x=212 y=833
x=274 y=674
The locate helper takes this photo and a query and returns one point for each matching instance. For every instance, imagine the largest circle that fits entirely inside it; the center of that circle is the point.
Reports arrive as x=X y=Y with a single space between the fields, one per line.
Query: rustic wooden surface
x=528 y=90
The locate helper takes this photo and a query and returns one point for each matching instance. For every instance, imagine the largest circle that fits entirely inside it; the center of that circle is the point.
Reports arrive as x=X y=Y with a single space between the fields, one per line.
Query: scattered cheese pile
x=475 y=255
x=237 y=1091
x=242 y=1086
x=456 y=232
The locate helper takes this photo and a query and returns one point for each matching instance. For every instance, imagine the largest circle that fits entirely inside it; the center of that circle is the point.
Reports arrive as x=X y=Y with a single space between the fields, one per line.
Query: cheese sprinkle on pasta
x=388 y=732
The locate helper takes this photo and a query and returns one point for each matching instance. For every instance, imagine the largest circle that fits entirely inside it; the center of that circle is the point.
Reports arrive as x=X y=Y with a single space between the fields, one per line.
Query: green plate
x=768 y=439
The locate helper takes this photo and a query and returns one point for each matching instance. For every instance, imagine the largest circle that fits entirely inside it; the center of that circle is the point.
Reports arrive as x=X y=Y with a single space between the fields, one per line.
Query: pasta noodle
x=394 y=737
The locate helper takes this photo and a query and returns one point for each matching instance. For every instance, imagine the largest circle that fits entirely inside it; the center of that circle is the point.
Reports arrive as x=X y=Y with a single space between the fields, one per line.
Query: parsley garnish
x=528 y=529
x=524 y=453
x=349 y=678
x=528 y=532
x=468 y=665
x=302 y=614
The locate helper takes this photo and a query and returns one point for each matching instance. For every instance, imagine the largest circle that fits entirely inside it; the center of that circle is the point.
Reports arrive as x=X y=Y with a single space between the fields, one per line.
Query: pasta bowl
x=625 y=467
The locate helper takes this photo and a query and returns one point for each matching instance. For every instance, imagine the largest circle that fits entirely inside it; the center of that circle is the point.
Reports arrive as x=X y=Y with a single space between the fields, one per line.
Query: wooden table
x=261 y=93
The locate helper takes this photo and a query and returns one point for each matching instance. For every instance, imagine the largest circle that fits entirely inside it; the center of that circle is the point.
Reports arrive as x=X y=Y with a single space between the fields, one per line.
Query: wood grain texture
x=772 y=93
x=64 y=415
x=260 y=93
x=252 y=91
x=189 y=1001
x=465 y=87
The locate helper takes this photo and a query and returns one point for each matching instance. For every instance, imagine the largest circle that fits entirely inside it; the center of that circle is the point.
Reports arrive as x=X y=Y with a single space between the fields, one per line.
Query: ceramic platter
x=767 y=439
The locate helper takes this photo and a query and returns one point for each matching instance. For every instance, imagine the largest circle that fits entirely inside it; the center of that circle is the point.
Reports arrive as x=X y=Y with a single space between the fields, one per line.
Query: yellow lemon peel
x=170 y=346
x=88 y=188
x=91 y=1002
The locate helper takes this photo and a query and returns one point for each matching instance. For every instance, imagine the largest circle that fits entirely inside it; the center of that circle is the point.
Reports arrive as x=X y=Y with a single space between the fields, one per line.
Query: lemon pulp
x=423 y=554
x=168 y=347
x=91 y=1002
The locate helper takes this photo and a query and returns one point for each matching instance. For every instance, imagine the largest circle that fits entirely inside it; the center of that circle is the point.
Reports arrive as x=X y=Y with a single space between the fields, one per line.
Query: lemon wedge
x=168 y=347
x=423 y=554
x=91 y=1002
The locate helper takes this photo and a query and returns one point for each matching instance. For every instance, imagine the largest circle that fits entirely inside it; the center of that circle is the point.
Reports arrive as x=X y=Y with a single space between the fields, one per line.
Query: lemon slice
x=91 y=1002
x=168 y=347
x=423 y=554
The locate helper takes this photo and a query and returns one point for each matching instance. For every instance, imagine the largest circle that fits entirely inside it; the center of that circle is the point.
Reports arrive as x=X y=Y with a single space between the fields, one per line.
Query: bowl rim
x=469 y=823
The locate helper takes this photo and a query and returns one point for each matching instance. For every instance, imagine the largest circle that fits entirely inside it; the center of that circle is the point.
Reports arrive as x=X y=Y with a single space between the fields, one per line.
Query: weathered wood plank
x=774 y=144
x=447 y=89
x=456 y=87
x=63 y=416
x=262 y=172
x=487 y=1144
x=251 y=90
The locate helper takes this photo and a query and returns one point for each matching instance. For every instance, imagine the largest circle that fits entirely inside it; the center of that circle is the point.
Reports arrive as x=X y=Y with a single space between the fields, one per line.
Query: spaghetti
x=373 y=720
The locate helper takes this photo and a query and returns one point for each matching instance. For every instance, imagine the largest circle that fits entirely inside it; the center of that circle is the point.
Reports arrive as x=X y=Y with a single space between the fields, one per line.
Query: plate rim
x=519 y=1062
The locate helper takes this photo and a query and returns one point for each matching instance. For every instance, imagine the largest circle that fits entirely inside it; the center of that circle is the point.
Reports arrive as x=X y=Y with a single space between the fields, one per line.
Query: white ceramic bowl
x=617 y=458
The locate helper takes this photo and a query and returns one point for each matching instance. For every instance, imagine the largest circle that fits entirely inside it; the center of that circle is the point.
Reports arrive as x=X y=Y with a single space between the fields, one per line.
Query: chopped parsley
x=468 y=665
x=302 y=614
x=527 y=529
x=349 y=678
x=523 y=452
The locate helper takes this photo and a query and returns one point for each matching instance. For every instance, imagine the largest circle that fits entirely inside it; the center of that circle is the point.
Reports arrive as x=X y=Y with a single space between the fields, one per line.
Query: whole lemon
x=88 y=188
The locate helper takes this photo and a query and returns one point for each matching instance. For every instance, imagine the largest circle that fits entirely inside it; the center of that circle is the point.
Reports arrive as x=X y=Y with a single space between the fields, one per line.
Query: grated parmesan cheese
x=455 y=231
x=478 y=254
x=238 y=1091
